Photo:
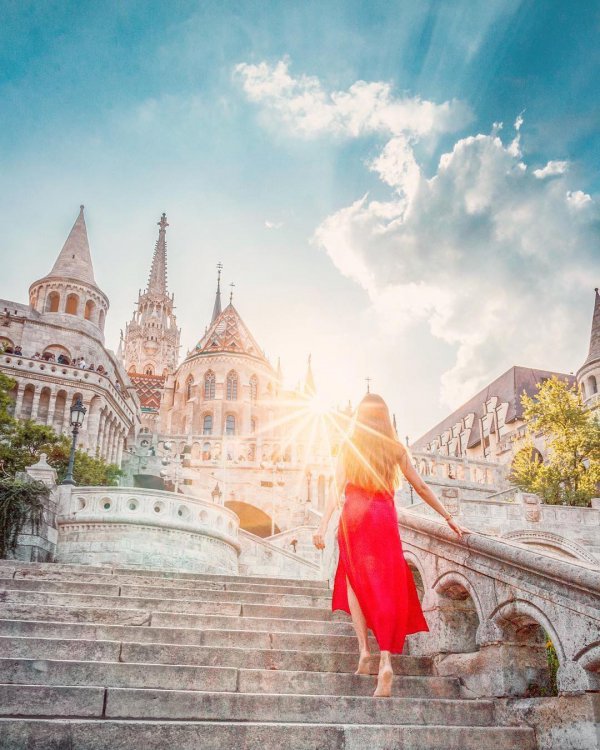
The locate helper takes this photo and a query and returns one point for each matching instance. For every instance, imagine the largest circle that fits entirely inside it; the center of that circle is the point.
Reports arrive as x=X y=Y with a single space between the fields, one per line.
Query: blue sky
x=443 y=277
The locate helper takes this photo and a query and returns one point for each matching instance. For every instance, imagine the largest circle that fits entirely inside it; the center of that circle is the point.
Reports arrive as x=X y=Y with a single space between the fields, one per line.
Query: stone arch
x=252 y=518
x=44 y=404
x=89 y=310
x=460 y=610
x=52 y=302
x=148 y=370
x=59 y=410
x=546 y=539
x=592 y=385
x=27 y=403
x=518 y=619
x=206 y=451
x=418 y=573
x=131 y=370
x=196 y=451
x=589 y=659
x=189 y=384
x=231 y=392
x=72 y=304
x=57 y=350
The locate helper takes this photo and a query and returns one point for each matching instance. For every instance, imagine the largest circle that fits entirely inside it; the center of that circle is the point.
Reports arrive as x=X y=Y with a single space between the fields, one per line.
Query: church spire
x=75 y=260
x=217 y=305
x=594 y=352
x=310 y=388
x=157 y=281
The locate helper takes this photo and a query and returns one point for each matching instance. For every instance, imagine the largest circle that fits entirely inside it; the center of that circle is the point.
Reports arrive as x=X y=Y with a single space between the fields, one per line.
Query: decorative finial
x=163 y=224
x=368 y=380
x=232 y=285
x=219 y=269
x=81 y=207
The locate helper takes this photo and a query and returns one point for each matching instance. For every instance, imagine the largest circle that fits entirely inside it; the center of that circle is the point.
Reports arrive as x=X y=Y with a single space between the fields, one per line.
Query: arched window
x=253 y=425
x=72 y=304
x=148 y=370
x=207 y=424
x=89 y=309
x=253 y=388
x=52 y=302
x=188 y=387
x=101 y=319
x=593 y=387
x=131 y=370
x=232 y=386
x=206 y=452
x=230 y=425
x=209 y=385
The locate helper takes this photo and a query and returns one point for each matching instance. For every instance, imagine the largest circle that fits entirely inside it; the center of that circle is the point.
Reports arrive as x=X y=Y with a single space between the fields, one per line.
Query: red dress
x=371 y=558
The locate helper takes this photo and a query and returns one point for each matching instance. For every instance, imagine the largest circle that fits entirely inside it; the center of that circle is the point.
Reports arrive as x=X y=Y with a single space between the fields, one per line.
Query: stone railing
x=261 y=557
x=466 y=471
x=146 y=528
x=493 y=604
x=75 y=376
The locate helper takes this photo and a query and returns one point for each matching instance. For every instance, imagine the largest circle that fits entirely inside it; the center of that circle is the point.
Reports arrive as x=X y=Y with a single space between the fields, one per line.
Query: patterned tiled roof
x=228 y=333
x=149 y=389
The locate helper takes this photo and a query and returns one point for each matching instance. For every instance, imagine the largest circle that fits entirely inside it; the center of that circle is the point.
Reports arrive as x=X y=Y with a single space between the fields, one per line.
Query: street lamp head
x=78 y=411
x=216 y=493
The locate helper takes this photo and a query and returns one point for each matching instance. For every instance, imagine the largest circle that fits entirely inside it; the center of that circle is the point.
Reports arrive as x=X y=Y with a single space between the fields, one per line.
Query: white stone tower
x=70 y=288
x=151 y=343
x=588 y=375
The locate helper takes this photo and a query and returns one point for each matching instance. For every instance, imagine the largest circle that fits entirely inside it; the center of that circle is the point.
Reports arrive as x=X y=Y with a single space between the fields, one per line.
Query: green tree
x=571 y=473
x=22 y=442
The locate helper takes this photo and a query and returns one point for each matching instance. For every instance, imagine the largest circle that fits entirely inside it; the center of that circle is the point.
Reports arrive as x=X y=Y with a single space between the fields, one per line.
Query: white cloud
x=486 y=251
x=551 y=169
x=273 y=224
x=307 y=109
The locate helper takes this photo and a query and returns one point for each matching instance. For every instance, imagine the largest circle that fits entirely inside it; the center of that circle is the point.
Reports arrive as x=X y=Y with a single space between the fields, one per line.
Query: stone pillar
x=19 y=399
x=39 y=544
x=51 y=407
x=35 y=403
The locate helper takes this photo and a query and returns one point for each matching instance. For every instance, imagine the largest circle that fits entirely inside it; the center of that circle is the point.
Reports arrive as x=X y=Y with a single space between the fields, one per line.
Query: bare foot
x=384 y=683
x=364 y=664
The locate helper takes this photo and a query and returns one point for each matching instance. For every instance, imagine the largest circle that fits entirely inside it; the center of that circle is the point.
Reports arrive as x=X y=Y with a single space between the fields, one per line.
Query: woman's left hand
x=459 y=530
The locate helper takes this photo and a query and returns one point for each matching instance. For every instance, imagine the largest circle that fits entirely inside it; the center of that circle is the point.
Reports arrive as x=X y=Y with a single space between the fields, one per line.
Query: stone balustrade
x=467 y=471
x=491 y=605
x=137 y=527
x=72 y=375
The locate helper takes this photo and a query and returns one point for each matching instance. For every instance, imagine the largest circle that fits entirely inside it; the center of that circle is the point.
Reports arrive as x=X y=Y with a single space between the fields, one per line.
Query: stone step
x=164 y=604
x=10 y=567
x=39 y=614
x=216 y=679
x=206 y=637
x=108 y=579
x=162 y=593
x=138 y=703
x=167 y=653
x=36 y=734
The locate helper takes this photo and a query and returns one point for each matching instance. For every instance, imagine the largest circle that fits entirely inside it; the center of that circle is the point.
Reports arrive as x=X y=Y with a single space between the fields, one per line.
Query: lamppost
x=78 y=411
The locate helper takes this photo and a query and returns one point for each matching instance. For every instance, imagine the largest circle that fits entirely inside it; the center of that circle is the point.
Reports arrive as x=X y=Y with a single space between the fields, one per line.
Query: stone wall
x=260 y=557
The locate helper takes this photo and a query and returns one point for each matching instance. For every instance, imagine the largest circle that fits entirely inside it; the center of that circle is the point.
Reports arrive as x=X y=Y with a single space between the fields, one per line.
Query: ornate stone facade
x=54 y=350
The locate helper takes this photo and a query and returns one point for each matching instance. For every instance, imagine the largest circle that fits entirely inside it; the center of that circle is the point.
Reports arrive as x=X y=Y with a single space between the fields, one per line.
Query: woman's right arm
x=332 y=502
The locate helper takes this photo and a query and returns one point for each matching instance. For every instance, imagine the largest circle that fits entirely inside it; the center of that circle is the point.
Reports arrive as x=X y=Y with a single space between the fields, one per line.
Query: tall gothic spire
x=75 y=260
x=309 y=383
x=217 y=305
x=594 y=352
x=157 y=281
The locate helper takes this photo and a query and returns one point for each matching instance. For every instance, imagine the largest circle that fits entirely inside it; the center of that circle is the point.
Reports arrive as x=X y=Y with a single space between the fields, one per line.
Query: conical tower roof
x=594 y=352
x=228 y=333
x=75 y=260
x=157 y=281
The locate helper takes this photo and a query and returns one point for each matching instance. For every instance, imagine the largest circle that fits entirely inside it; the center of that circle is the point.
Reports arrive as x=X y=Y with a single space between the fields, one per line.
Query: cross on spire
x=368 y=381
x=232 y=285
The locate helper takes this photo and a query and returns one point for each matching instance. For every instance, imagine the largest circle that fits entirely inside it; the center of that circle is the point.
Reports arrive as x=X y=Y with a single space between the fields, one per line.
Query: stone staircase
x=101 y=658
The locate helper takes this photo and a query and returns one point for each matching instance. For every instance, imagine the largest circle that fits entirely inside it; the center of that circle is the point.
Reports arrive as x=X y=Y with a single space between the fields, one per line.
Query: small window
x=230 y=425
x=232 y=386
x=209 y=385
x=188 y=387
x=207 y=424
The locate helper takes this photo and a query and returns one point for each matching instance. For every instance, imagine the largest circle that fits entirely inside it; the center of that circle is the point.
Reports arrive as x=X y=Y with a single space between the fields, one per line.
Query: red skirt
x=372 y=560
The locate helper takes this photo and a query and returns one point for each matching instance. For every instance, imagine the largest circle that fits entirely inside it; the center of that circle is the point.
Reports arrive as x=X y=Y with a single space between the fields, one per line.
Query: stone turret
x=588 y=375
x=70 y=288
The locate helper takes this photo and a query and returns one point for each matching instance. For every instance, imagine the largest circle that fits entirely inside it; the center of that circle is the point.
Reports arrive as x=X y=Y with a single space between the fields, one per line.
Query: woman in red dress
x=373 y=582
